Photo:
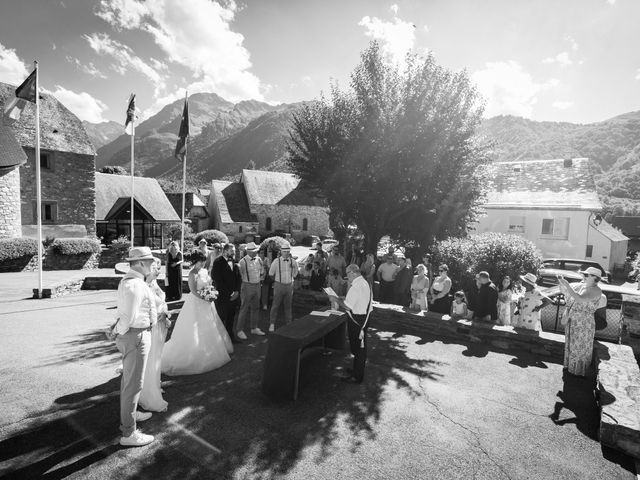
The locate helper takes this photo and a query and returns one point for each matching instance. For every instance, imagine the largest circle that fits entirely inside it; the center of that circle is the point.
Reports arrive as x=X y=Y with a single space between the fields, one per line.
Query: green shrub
x=75 y=246
x=500 y=254
x=280 y=242
x=13 y=248
x=173 y=231
x=211 y=236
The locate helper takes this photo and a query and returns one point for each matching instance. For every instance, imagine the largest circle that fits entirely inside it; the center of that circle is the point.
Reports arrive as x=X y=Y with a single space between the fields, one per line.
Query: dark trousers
x=386 y=291
x=227 y=311
x=359 y=352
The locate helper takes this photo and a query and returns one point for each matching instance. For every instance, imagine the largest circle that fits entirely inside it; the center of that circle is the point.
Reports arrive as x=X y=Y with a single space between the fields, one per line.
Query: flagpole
x=184 y=183
x=133 y=136
x=38 y=184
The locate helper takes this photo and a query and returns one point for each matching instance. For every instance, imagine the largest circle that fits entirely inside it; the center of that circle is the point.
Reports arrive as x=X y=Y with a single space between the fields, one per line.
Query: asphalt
x=429 y=409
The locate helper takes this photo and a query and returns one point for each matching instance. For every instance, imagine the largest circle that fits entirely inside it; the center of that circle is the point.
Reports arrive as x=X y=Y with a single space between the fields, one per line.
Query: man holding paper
x=357 y=303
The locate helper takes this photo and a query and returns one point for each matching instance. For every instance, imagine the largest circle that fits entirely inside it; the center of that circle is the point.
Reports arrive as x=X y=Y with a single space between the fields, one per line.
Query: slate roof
x=11 y=153
x=611 y=232
x=232 y=202
x=60 y=130
x=557 y=184
x=277 y=188
x=148 y=193
x=630 y=226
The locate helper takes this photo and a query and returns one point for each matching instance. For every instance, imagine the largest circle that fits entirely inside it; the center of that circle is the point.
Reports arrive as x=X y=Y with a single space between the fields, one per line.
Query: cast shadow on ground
x=88 y=346
x=219 y=423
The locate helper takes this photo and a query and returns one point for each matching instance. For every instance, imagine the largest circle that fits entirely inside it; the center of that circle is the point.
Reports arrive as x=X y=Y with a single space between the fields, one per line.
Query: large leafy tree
x=396 y=153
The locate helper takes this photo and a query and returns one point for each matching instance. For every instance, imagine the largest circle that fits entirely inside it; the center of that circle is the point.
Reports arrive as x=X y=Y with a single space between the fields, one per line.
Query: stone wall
x=54 y=261
x=70 y=183
x=10 y=217
x=289 y=218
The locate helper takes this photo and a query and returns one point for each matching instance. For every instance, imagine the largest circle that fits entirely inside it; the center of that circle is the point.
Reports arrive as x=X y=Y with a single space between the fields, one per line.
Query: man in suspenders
x=283 y=270
x=250 y=267
x=357 y=303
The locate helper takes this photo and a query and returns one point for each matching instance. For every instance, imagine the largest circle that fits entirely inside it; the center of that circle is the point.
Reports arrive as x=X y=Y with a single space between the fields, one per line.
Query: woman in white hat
x=531 y=303
x=580 y=328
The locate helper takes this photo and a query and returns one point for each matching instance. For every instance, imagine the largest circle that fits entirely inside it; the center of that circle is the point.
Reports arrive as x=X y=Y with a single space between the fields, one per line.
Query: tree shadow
x=89 y=346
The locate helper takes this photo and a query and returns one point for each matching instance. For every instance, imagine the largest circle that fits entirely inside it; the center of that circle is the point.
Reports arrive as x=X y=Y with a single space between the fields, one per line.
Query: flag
x=131 y=114
x=181 y=145
x=26 y=92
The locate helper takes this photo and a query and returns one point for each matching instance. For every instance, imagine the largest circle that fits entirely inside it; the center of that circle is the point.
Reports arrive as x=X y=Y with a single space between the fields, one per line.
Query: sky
x=555 y=60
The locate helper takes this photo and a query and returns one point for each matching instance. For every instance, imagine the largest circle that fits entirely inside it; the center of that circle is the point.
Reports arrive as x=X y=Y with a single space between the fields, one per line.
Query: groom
x=227 y=280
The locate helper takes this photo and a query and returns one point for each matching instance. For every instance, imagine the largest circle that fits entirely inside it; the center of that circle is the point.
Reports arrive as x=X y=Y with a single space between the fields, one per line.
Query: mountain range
x=227 y=137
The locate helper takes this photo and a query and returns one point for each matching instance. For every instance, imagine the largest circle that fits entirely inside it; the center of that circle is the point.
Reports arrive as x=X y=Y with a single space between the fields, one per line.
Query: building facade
x=11 y=158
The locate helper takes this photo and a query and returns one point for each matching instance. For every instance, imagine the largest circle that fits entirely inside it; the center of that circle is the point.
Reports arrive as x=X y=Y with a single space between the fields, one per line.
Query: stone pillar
x=10 y=215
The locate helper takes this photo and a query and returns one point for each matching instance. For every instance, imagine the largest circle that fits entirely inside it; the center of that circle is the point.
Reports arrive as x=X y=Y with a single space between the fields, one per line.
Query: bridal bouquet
x=208 y=293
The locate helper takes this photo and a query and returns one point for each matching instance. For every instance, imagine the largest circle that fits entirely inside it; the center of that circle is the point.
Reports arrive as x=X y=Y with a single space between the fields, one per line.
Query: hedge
x=75 y=246
x=280 y=242
x=211 y=236
x=20 y=247
x=500 y=254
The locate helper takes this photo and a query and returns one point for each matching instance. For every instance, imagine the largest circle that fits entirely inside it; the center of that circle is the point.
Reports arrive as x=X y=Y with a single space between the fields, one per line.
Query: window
x=555 y=227
x=516 y=224
x=267 y=224
x=589 y=253
x=305 y=224
x=239 y=228
x=45 y=161
x=49 y=211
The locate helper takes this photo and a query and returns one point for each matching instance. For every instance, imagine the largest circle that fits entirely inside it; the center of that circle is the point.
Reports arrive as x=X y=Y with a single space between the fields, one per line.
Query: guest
x=486 y=307
x=227 y=280
x=216 y=251
x=202 y=246
x=531 y=303
x=283 y=271
x=265 y=280
x=419 y=289
x=472 y=297
x=151 y=395
x=173 y=274
x=337 y=283
x=241 y=252
x=582 y=301
x=440 y=298
x=459 y=307
x=386 y=276
x=320 y=257
x=136 y=313
x=272 y=250
x=306 y=275
x=357 y=253
x=505 y=301
x=402 y=282
x=426 y=261
x=358 y=306
x=318 y=277
x=337 y=261
x=368 y=269
x=250 y=267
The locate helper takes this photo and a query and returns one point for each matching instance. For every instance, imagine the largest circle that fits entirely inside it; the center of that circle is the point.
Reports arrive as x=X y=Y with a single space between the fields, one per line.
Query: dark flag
x=26 y=92
x=181 y=145
x=131 y=112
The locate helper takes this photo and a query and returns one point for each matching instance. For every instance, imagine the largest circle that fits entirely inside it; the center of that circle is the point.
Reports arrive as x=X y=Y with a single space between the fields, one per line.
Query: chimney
x=568 y=163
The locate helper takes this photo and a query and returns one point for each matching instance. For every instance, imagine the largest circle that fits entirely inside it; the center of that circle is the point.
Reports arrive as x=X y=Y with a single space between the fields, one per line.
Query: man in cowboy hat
x=531 y=303
x=250 y=267
x=283 y=271
x=136 y=314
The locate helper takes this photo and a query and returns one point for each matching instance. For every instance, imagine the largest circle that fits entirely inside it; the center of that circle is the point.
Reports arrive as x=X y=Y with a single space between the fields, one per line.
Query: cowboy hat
x=592 y=271
x=251 y=246
x=530 y=278
x=139 y=253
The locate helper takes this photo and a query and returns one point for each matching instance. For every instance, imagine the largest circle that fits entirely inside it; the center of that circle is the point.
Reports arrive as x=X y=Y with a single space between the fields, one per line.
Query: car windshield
x=573 y=266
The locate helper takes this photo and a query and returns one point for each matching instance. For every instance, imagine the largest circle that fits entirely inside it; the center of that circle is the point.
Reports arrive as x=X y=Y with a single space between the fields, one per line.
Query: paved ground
x=429 y=409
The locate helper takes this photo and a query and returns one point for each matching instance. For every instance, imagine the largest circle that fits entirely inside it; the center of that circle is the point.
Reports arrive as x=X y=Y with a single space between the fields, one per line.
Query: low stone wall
x=54 y=261
x=109 y=257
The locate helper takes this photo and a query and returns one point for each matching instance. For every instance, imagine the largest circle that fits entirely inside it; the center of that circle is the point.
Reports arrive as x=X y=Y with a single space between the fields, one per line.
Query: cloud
x=88 y=68
x=562 y=105
x=396 y=37
x=509 y=89
x=638 y=74
x=572 y=42
x=561 y=59
x=82 y=104
x=12 y=69
x=196 y=34
x=125 y=58
x=394 y=9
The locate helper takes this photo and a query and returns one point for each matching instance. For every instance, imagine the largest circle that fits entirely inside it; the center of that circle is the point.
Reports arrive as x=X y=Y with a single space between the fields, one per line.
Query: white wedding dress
x=200 y=342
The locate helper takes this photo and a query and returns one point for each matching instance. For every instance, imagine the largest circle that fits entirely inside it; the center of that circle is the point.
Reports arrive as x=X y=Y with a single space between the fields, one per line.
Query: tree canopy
x=396 y=153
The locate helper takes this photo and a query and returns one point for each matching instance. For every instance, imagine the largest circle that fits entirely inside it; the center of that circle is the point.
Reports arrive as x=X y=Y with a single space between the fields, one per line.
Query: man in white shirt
x=283 y=270
x=136 y=314
x=386 y=276
x=250 y=267
x=357 y=303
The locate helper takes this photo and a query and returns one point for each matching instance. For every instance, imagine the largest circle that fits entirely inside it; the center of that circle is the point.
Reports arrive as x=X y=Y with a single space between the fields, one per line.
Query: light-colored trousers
x=134 y=347
x=282 y=293
x=249 y=302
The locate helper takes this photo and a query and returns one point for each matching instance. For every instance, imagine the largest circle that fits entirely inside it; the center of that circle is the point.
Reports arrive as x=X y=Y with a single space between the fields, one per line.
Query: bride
x=200 y=341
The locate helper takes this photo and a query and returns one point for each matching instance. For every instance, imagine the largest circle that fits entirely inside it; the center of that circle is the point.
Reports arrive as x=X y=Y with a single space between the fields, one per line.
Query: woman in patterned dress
x=580 y=327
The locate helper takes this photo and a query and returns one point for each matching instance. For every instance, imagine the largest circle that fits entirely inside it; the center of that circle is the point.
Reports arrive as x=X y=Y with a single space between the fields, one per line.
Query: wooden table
x=282 y=363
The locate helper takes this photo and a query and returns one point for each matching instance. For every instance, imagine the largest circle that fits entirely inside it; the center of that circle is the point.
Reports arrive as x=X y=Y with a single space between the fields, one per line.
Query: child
x=336 y=282
x=459 y=306
x=306 y=276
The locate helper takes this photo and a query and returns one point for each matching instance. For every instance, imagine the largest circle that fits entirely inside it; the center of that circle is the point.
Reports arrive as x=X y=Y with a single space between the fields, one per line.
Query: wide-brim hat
x=251 y=247
x=529 y=278
x=286 y=247
x=140 y=253
x=592 y=271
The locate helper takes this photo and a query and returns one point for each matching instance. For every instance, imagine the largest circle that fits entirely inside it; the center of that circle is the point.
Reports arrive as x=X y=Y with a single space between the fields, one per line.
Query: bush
x=280 y=242
x=499 y=254
x=211 y=236
x=75 y=246
x=14 y=248
x=173 y=231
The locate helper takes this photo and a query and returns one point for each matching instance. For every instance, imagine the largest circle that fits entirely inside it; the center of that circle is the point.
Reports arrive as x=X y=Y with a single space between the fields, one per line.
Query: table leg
x=296 y=379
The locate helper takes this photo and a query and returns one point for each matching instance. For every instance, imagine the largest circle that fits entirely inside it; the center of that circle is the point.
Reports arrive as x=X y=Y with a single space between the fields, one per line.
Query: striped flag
x=181 y=145
x=26 y=92
x=131 y=114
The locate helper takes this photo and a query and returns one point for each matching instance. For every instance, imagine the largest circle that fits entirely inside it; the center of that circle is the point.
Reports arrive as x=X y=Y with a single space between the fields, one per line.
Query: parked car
x=328 y=244
x=310 y=240
x=568 y=268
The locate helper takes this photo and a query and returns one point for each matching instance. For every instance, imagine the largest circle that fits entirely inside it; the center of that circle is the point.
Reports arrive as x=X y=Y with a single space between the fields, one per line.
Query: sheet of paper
x=335 y=312
x=330 y=291
x=326 y=313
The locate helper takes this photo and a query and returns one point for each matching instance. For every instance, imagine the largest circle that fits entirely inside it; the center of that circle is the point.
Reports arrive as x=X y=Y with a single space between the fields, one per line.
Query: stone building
x=67 y=167
x=11 y=158
x=267 y=203
x=194 y=208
